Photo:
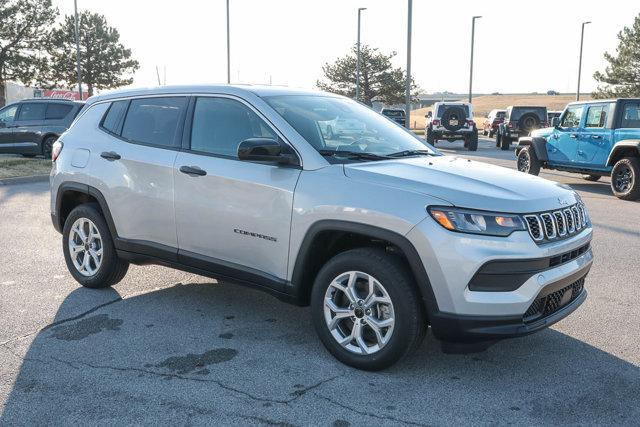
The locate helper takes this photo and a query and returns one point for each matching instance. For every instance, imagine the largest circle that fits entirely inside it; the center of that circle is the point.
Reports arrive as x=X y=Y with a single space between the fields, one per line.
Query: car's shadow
x=220 y=353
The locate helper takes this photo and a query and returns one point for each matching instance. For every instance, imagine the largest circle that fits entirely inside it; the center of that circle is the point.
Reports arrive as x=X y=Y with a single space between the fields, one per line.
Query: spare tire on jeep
x=453 y=118
x=529 y=122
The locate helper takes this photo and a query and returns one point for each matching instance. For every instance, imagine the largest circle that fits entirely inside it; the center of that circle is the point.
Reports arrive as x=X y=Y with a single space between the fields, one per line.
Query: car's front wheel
x=88 y=249
x=528 y=161
x=366 y=309
x=625 y=178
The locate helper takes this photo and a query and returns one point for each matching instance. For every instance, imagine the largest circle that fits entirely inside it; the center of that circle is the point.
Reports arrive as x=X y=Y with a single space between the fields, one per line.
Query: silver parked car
x=380 y=234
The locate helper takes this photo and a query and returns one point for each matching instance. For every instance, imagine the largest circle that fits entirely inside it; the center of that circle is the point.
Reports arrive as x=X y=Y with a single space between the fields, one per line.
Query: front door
x=595 y=138
x=562 y=146
x=27 y=127
x=230 y=213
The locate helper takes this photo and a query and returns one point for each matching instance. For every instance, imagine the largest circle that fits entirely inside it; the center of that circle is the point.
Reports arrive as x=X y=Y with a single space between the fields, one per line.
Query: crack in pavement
x=368 y=414
x=295 y=395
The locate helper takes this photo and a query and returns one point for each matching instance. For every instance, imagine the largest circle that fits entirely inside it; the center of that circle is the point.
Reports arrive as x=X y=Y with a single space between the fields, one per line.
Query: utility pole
x=77 y=31
x=360 y=9
x=473 y=32
x=407 y=94
x=228 y=48
x=580 y=60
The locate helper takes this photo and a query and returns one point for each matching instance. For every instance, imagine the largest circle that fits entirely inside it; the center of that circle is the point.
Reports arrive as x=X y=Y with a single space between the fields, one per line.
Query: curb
x=24 y=179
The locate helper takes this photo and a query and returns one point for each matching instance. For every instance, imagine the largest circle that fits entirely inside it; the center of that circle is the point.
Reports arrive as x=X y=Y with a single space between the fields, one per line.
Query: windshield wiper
x=353 y=154
x=408 y=153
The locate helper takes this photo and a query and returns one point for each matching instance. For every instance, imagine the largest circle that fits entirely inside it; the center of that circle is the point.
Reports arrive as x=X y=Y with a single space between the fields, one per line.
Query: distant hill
x=483 y=104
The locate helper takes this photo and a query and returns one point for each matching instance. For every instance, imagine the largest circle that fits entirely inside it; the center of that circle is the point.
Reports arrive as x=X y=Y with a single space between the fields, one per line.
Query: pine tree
x=621 y=78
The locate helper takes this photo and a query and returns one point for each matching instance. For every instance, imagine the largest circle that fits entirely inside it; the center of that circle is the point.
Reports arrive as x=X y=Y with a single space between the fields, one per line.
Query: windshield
x=338 y=125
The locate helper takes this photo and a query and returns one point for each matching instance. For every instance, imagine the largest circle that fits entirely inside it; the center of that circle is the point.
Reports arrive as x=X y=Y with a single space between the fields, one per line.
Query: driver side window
x=8 y=114
x=572 y=116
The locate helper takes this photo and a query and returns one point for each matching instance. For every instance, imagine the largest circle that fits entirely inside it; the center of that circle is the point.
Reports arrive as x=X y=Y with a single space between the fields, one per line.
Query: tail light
x=510 y=124
x=56 y=149
x=435 y=122
x=470 y=123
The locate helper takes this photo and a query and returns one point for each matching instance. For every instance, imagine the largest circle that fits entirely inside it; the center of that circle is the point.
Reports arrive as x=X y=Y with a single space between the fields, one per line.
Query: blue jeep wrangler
x=594 y=138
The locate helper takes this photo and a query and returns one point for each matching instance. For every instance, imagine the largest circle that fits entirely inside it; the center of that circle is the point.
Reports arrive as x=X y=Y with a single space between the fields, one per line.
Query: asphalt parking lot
x=166 y=347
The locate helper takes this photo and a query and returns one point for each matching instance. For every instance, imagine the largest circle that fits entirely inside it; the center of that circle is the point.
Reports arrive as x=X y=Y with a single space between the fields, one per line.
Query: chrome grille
x=550 y=226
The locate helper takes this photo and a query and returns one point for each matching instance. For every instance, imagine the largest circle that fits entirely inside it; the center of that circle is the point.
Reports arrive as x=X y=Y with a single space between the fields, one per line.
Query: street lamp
x=473 y=32
x=580 y=60
x=228 y=48
x=407 y=90
x=360 y=9
x=77 y=34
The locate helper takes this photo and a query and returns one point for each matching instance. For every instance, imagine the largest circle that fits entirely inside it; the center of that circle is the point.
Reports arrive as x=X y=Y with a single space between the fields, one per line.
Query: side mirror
x=264 y=150
x=429 y=114
x=555 y=122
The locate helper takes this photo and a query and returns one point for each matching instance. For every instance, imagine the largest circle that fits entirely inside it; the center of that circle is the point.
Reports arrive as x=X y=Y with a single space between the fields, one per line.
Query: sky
x=520 y=46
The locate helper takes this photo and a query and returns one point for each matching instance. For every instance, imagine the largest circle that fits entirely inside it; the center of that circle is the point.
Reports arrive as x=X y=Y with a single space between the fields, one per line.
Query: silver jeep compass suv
x=378 y=232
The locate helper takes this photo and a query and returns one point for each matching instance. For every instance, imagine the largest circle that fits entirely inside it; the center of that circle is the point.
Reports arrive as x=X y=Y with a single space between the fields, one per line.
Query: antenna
x=158 y=74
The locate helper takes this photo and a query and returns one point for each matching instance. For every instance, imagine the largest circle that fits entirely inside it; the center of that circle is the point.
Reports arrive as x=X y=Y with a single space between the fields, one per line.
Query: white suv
x=379 y=233
x=452 y=121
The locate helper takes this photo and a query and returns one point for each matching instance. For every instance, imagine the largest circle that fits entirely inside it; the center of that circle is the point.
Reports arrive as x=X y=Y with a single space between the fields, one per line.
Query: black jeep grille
x=549 y=304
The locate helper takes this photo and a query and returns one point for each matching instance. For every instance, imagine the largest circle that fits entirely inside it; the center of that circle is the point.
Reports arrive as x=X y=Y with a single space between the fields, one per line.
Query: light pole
x=77 y=31
x=580 y=60
x=473 y=32
x=407 y=90
x=228 y=48
x=360 y=9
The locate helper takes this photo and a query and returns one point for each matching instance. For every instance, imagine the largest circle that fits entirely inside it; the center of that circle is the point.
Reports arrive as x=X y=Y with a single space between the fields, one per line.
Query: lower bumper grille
x=549 y=304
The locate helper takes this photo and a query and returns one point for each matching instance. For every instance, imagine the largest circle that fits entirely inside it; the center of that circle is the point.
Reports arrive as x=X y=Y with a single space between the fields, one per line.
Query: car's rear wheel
x=47 y=146
x=498 y=138
x=491 y=134
x=625 y=178
x=505 y=143
x=592 y=178
x=472 y=144
x=528 y=161
x=366 y=309
x=88 y=249
x=430 y=137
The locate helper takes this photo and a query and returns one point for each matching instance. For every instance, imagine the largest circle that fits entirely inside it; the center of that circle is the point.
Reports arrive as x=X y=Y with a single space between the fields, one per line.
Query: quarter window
x=32 y=111
x=7 y=114
x=220 y=124
x=631 y=116
x=596 y=116
x=572 y=116
x=57 y=111
x=112 y=119
x=154 y=121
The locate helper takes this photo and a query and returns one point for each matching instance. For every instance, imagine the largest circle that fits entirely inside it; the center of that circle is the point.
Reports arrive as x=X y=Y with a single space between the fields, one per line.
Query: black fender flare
x=412 y=256
x=623 y=146
x=90 y=191
x=539 y=146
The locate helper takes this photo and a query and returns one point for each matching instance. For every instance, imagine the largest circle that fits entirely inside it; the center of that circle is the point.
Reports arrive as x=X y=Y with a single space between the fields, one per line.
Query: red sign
x=64 y=94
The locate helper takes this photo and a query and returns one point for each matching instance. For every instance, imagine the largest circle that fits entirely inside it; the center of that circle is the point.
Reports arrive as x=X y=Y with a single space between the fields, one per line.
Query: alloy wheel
x=623 y=180
x=85 y=247
x=524 y=163
x=359 y=312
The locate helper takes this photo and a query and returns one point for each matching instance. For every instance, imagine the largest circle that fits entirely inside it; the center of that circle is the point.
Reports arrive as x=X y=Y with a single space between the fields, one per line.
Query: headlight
x=476 y=222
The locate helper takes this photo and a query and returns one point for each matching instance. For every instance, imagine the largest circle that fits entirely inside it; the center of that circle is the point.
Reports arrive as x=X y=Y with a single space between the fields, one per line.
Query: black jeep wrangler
x=520 y=121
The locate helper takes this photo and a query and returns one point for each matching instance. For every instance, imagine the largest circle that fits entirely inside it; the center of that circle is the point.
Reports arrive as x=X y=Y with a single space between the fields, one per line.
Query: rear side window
x=57 y=111
x=113 y=118
x=32 y=111
x=631 y=116
x=154 y=121
x=220 y=124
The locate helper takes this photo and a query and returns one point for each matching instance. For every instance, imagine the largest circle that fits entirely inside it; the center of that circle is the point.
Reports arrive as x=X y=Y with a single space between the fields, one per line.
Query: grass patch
x=11 y=167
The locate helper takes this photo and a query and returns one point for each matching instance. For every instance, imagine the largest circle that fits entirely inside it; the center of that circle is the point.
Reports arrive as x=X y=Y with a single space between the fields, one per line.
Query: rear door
x=7 y=117
x=562 y=146
x=232 y=214
x=134 y=165
x=595 y=138
x=27 y=130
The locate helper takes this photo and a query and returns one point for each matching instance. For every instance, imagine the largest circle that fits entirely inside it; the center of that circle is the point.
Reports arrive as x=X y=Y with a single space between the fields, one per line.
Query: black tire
x=592 y=178
x=625 y=178
x=505 y=143
x=112 y=269
x=47 y=146
x=410 y=322
x=498 y=139
x=430 y=138
x=472 y=145
x=491 y=134
x=529 y=122
x=484 y=132
x=527 y=161
x=453 y=112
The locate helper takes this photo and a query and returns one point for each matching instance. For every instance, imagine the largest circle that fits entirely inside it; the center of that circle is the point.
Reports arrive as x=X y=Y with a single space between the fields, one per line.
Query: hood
x=466 y=183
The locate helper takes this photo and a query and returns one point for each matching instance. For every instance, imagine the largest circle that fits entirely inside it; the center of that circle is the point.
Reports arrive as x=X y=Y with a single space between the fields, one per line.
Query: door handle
x=110 y=155
x=596 y=136
x=192 y=170
x=580 y=153
x=573 y=135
